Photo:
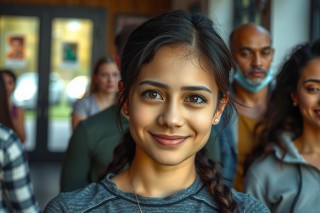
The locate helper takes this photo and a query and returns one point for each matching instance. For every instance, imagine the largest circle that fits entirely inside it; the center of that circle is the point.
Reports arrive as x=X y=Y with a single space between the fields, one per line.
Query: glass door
x=19 y=45
x=69 y=76
x=58 y=47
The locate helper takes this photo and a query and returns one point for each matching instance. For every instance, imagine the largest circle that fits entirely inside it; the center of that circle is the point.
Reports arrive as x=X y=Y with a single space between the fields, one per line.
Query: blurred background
x=62 y=39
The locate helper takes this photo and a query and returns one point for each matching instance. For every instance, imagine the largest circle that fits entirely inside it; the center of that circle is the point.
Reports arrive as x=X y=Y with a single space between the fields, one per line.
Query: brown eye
x=152 y=94
x=246 y=54
x=196 y=99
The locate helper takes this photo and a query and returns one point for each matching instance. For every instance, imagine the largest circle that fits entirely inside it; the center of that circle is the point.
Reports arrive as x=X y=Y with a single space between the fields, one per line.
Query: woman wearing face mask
x=283 y=170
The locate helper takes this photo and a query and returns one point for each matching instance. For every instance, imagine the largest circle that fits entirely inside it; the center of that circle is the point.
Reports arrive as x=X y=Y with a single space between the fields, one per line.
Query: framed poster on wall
x=15 y=54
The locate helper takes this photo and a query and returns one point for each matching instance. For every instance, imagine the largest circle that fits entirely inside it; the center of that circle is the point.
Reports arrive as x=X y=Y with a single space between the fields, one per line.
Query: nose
x=257 y=60
x=171 y=116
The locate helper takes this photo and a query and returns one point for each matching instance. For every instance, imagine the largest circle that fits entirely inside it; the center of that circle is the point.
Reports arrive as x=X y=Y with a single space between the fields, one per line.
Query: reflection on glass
x=70 y=66
x=19 y=52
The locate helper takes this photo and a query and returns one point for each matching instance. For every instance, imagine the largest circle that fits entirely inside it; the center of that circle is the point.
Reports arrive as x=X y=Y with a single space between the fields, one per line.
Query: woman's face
x=9 y=83
x=308 y=94
x=172 y=107
x=107 y=78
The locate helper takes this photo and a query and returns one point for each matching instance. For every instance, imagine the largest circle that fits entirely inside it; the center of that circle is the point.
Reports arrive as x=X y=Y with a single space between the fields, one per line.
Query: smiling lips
x=169 y=140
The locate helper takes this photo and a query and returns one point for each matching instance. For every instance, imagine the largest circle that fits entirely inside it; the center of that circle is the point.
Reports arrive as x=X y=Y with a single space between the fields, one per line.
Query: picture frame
x=15 y=50
x=69 y=55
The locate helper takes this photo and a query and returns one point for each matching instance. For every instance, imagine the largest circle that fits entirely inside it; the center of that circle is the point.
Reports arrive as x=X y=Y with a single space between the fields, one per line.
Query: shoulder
x=5 y=132
x=81 y=200
x=247 y=203
x=85 y=100
x=263 y=163
x=7 y=135
x=259 y=172
x=10 y=149
x=102 y=116
x=84 y=105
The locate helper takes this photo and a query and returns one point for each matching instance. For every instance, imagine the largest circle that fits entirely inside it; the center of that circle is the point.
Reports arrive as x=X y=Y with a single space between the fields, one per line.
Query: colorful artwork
x=69 y=55
x=15 y=55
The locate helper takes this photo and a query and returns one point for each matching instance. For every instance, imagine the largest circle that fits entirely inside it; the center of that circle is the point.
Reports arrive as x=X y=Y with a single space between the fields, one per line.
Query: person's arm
x=16 y=179
x=79 y=113
x=254 y=184
x=75 y=120
x=76 y=165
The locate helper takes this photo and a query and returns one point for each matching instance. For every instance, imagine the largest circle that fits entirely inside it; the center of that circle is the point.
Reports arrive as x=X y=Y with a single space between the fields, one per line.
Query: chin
x=170 y=161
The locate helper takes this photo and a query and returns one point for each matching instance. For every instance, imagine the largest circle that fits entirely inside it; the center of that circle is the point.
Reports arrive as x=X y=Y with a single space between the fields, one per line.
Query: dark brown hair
x=5 y=117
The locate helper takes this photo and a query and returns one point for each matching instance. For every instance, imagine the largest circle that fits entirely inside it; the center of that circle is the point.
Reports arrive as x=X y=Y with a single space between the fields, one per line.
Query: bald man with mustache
x=251 y=48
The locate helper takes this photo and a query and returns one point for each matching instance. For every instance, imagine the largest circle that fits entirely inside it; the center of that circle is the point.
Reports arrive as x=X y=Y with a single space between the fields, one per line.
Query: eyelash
x=147 y=94
x=203 y=99
x=313 y=89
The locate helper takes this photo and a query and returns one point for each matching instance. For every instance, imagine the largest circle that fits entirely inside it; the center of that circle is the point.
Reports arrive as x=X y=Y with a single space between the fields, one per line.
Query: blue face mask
x=239 y=77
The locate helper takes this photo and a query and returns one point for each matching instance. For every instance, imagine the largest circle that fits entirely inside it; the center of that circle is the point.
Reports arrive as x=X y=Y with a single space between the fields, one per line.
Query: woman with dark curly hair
x=284 y=169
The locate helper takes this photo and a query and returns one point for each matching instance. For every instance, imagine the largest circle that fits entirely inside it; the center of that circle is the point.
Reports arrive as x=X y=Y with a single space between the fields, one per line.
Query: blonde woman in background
x=103 y=91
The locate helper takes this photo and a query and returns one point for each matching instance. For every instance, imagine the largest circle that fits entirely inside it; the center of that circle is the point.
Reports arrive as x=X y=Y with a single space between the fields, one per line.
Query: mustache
x=256 y=69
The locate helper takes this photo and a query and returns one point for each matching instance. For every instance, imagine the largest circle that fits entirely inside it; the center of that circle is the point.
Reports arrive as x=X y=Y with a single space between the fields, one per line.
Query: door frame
x=46 y=14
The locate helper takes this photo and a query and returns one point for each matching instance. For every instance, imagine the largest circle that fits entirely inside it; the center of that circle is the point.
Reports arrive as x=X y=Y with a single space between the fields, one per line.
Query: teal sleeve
x=76 y=164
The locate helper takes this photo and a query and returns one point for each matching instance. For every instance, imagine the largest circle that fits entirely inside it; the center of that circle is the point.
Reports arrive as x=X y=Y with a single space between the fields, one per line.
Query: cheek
x=140 y=114
x=201 y=122
x=267 y=62
x=243 y=63
x=305 y=103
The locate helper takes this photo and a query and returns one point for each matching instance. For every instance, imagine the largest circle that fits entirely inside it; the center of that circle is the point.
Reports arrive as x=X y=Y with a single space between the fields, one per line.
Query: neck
x=309 y=141
x=105 y=99
x=255 y=104
x=160 y=181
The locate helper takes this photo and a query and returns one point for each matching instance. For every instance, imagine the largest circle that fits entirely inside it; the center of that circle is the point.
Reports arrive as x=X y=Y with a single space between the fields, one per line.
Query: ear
x=125 y=107
x=294 y=98
x=222 y=104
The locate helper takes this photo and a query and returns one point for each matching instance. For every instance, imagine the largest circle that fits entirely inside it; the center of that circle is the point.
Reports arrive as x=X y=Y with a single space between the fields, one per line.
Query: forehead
x=175 y=64
x=250 y=37
x=108 y=67
x=311 y=70
x=7 y=77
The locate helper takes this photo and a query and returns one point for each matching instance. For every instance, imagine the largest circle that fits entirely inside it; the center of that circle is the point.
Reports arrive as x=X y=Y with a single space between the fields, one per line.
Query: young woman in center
x=175 y=70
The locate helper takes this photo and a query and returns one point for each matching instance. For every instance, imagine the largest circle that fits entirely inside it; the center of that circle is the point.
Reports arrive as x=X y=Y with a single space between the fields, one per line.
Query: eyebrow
x=312 y=80
x=251 y=49
x=189 y=88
